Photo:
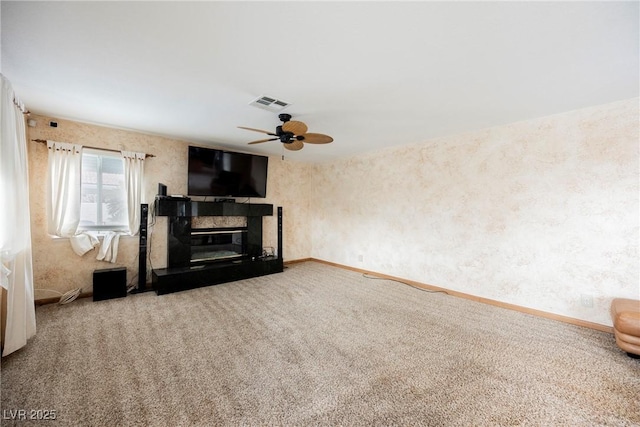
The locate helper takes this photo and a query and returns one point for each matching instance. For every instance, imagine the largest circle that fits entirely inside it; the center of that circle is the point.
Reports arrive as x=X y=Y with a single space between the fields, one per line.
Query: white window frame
x=102 y=154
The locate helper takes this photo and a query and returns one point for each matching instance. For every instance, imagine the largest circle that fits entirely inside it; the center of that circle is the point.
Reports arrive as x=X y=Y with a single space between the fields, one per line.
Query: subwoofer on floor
x=109 y=283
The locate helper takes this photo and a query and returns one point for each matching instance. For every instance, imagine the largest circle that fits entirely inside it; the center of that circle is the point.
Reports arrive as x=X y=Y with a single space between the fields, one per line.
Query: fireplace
x=213 y=242
x=218 y=244
x=221 y=234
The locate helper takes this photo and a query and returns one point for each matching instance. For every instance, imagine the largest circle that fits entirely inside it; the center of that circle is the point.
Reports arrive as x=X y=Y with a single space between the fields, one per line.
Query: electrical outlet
x=586 y=300
x=360 y=258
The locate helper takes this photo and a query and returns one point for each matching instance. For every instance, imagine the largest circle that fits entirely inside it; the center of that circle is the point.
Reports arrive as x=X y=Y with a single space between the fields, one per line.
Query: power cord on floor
x=70 y=296
x=133 y=282
x=366 y=276
x=66 y=297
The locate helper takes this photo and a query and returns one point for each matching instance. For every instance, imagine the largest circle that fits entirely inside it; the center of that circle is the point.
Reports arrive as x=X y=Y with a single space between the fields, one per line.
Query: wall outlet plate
x=586 y=300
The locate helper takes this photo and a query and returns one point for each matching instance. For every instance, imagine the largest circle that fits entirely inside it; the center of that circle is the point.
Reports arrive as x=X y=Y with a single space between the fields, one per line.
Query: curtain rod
x=20 y=106
x=44 y=141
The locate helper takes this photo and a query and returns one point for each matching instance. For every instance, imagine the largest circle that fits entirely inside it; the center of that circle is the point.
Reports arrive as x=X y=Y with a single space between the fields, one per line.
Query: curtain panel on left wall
x=16 y=272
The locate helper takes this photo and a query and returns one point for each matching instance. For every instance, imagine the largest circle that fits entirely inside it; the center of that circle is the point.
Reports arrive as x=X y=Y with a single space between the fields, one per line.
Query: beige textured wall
x=535 y=213
x=58 y=268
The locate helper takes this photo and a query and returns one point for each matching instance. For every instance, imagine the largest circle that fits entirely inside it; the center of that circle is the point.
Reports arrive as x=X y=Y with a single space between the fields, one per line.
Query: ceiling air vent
x=270 y=104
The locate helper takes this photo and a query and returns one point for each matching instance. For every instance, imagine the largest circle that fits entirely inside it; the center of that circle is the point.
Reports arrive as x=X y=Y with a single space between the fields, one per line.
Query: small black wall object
x=109 y=283
x=162 y=189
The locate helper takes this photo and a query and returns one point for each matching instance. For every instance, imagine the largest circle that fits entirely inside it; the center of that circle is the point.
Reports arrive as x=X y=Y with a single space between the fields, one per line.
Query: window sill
x=103 y=232
x=98 y=234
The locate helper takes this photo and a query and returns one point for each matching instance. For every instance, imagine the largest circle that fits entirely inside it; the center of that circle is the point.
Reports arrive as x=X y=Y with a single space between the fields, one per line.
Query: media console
x=199 y=257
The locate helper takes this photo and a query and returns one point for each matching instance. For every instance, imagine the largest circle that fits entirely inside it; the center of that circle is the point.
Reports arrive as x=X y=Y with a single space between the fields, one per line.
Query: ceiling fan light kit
x=292 y=134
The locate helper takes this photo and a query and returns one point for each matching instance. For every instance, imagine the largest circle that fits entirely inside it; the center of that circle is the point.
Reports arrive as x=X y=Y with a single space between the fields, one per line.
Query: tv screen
x=224 y=173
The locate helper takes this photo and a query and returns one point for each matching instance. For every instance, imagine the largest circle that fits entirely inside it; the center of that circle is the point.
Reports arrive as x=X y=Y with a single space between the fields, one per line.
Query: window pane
x=112 y=166
x=89 y=169
x=103 y=194
x=89 y=191
x=114 y=204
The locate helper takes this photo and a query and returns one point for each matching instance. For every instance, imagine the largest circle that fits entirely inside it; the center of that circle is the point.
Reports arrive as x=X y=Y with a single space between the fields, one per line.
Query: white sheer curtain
x=133 y=181
x=63 y=188
x=16 y=272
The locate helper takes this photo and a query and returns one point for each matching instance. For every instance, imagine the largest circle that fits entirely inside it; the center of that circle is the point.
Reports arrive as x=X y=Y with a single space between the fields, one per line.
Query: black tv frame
x=231 y=174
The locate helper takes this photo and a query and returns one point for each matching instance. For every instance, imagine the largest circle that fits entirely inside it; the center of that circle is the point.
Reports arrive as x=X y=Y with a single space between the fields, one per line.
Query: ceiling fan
x=292 y=134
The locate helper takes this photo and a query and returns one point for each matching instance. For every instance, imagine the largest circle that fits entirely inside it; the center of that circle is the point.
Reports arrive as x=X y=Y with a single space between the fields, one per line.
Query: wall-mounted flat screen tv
x=215 y=172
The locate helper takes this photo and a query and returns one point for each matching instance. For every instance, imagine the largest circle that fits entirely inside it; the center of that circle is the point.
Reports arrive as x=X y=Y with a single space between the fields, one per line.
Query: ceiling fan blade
x=263 y=140
x=317 y=138
x=256 y=130
x=294 y=145
x=296 y=128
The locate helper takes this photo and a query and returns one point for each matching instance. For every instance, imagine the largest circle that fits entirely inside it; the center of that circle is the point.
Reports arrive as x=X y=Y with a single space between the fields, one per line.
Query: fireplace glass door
x=208 y=245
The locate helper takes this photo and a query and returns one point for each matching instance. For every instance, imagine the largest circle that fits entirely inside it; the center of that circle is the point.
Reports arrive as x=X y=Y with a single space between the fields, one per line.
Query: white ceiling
x=370 y=74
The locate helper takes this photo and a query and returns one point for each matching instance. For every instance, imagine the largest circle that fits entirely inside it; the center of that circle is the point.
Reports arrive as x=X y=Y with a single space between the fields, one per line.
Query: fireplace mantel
x=166 y=206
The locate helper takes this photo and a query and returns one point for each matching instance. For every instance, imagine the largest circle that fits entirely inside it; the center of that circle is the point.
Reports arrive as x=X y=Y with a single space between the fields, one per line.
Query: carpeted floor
x=315 y=345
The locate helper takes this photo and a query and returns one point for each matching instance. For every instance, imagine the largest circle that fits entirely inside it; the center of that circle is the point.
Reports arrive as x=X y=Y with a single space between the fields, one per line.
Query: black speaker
x=162 y=189
x=280 y=232
x=142 y=258
x=109 y=283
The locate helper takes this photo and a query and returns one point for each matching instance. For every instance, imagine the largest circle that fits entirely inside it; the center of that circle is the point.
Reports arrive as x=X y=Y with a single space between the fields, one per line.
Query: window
x=103 y=196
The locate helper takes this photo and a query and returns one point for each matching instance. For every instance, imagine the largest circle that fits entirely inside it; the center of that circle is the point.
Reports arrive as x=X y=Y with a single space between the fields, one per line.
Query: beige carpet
x=316 y=345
